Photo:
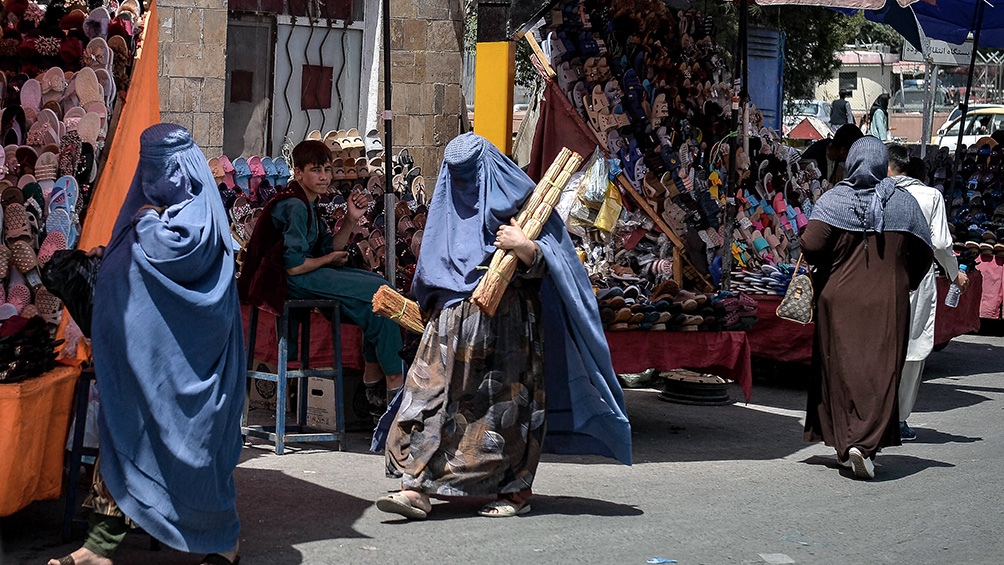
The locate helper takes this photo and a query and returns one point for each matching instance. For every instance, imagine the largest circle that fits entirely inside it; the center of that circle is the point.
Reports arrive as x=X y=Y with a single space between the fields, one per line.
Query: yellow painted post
x=494 y=77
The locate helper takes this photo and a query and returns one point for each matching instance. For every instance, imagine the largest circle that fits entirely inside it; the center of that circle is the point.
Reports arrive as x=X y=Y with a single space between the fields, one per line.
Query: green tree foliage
x=813 y=36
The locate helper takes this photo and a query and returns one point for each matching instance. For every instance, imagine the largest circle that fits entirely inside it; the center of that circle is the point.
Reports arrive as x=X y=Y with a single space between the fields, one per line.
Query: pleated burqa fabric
x=169 y=351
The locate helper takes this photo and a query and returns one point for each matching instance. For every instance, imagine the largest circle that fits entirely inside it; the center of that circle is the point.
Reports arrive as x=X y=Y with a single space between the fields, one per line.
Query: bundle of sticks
x=531 y=220
x=388 y=303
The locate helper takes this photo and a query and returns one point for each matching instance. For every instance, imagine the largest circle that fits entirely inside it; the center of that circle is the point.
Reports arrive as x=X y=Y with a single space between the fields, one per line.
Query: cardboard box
x=262 y=395
x=321 y=403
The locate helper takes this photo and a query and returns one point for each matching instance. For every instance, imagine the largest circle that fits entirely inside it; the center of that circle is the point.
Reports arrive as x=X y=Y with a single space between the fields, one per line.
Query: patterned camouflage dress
x=471 y=421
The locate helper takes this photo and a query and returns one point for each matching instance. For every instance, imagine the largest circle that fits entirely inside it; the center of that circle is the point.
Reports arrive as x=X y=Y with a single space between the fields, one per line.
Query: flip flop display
x=53 y=127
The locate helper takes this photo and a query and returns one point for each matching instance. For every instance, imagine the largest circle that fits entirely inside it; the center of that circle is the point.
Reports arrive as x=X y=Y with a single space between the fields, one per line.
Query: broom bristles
x=390 y=304
x=531 y=219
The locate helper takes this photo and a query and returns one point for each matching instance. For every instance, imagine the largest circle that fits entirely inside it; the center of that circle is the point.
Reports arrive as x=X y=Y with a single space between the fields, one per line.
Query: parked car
x=911 y=99
x=972 y=108
x=978 y=124
x=801 y=109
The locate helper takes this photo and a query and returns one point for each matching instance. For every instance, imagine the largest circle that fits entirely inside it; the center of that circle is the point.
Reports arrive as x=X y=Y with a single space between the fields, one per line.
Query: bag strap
x=797 y=265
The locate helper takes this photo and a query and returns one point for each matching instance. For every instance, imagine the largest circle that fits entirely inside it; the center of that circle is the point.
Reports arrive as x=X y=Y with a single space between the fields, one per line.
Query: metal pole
x=731 y=187
x=978 y=22
x=389 y=199
x=925 y=129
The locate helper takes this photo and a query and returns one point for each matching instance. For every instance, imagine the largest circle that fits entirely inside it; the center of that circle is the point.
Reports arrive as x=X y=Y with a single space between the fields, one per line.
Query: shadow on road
x=943 y=396
x=541 y=505
x=962 y=359
x=279 y=511
x=887 y=467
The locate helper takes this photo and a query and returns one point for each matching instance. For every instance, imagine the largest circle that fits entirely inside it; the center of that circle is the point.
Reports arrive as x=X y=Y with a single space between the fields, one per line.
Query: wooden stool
x=298 y=312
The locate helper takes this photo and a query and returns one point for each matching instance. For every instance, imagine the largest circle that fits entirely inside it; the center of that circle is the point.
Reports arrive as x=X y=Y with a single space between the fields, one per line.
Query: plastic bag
x=70 y=276
x=593 y=189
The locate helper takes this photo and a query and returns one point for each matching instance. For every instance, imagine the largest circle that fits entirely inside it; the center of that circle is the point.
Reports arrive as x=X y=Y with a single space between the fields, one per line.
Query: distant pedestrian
x=870 y=245
x=829 y=154
x=878 y=118
x=840 y=111
x=908 y=174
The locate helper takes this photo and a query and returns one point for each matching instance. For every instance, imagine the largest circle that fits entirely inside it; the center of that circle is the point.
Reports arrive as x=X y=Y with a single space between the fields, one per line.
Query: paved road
x=711 y=485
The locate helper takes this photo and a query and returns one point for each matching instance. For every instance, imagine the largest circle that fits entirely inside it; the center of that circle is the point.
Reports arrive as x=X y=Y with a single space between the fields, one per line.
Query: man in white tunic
x=909 y=175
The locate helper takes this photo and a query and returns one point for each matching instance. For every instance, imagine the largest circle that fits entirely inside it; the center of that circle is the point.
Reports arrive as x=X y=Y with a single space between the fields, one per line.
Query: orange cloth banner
x=34 y=419
x=141 y=112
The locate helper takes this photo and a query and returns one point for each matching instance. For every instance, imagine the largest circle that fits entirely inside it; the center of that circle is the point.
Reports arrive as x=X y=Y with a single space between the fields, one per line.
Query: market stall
x=789 y=342
x=66 y=178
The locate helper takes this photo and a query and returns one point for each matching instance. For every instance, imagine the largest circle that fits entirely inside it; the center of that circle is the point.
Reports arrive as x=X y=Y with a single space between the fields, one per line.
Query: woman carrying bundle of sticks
x=483 y=389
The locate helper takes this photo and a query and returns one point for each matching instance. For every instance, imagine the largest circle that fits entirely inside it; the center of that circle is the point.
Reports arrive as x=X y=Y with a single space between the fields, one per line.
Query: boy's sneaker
x=906 y=433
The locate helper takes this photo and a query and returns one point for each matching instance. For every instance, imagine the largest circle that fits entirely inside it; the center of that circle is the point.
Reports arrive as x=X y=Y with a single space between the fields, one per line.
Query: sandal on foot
x=217 y=559
x=399 y=503
x=503 y=509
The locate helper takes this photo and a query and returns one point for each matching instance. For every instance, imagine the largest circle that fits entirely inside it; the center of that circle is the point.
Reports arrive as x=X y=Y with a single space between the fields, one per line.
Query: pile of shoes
x=26 y=349
x=975 y=206
x=653 y=87
x=63 y=66
x=246 y=185
x=670 y=308
x=367 y=245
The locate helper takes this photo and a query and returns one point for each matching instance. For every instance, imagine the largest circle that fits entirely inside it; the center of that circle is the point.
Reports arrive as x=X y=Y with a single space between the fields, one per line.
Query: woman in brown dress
x=870 y=245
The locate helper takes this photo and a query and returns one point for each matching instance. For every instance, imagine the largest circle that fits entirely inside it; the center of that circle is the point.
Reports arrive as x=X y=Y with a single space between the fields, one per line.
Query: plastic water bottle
x=952 y=300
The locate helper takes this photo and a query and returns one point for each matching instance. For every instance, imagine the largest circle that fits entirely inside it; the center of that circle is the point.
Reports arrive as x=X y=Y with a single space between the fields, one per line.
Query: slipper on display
x=31 y=95
x=87 y=87
x=19 y=296
x=89 y=128
x=12 y=125
x=374 y=146
x=242 y=175
x=283 y=171
x=59 y=220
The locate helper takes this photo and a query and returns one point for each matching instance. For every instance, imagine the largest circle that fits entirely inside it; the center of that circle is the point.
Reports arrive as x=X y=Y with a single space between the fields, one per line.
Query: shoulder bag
x=797 y=302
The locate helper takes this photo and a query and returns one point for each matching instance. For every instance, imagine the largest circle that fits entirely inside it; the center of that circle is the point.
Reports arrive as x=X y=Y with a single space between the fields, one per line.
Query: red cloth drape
x=559 y=126
x=786 y=341
x=726 y=354
x=267 y=344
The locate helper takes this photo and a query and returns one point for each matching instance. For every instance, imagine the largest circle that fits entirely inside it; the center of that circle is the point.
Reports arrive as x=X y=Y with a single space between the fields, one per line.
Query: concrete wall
x=872 y=81
x=193 y=42
x=426 y=74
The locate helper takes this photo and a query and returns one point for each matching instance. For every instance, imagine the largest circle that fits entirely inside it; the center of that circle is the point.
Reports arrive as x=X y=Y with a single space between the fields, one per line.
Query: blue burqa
x=169 y=351
x=585 y=403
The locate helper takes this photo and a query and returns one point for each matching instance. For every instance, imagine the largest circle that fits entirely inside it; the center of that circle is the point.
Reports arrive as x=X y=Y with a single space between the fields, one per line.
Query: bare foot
x=82 y=556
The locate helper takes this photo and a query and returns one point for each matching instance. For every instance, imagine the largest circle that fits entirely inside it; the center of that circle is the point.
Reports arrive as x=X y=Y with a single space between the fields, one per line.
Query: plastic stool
x=298 y=312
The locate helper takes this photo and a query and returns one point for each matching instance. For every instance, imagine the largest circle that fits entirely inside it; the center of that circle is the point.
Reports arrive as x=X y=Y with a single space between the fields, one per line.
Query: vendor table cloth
x=726 y=354
x=267 y=344
x=34 y=420
x=790 y=342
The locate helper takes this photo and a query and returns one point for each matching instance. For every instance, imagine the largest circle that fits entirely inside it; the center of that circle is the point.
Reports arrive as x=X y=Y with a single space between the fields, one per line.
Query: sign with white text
x=941 y=53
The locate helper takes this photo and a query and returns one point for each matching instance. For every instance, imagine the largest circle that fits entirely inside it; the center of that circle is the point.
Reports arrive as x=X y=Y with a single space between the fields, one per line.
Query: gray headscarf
x=866 y=200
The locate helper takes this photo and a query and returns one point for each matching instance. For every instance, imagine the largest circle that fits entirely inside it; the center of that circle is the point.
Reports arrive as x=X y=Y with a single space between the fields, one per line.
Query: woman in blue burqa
x=168 y=356
x=482 y=390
